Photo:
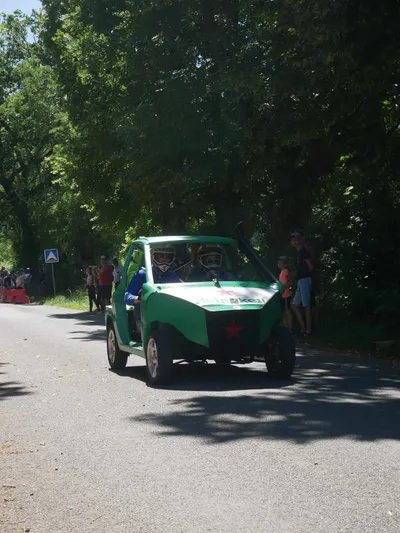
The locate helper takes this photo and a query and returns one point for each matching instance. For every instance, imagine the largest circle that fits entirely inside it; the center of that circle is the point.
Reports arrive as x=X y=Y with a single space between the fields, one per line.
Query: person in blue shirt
x=162 y=260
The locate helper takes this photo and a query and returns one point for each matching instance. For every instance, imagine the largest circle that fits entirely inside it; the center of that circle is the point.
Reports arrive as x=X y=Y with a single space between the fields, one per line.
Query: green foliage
x=77 y=299
x=7 y=256
x=178 y=101
x=39 y=204
x=28 y=118
x=137 y=117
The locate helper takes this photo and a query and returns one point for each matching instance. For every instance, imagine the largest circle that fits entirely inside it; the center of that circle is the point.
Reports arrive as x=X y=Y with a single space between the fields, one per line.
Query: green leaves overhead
x=35 y=197
x=186 y=116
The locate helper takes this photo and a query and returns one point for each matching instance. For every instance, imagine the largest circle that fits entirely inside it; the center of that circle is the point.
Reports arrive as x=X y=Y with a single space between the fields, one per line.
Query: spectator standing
x=91 y=289
x=105 y=279
x=304 y=242
x=286 y=279
x=20 y=280
x=117 y=272
x=95 y=273
x=27 y=276
x=314 y=274
x=302 y=297
x=9 y=282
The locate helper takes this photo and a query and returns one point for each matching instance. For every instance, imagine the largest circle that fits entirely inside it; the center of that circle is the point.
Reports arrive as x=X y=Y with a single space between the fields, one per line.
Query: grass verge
x=73 y=300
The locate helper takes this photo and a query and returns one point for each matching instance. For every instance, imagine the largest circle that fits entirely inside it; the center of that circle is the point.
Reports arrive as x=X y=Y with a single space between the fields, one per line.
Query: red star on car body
x=233 y=330
x=223 y=292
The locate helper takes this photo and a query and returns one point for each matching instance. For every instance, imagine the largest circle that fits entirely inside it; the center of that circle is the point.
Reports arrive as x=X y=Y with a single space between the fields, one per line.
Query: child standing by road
x=285 y=279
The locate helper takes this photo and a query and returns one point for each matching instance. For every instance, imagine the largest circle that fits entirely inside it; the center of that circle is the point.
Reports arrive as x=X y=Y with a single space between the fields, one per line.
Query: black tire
x=159 y=358
x=280 y=357
x=117 y=359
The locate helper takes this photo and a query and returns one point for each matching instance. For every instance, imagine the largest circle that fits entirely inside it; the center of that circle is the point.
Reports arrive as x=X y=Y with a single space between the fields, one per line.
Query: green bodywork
x=188 y=308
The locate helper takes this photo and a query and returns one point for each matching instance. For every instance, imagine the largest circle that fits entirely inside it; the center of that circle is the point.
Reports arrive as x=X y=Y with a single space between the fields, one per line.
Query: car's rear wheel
x=280 y=356
x=159 y=358
x=117 y=359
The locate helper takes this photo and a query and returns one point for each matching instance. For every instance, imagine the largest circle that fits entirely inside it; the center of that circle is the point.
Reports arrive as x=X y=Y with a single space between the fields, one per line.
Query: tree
x=189 y=113
x=196 y=100
x=29 y=115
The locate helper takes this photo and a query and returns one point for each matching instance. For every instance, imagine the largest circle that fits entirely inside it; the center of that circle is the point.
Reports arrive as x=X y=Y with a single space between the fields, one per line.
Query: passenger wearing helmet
x=209 y=263
x=162 y=259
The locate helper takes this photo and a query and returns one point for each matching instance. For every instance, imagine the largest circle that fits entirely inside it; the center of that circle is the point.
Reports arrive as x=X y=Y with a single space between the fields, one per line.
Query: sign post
x=51 y=256
x=54 y=279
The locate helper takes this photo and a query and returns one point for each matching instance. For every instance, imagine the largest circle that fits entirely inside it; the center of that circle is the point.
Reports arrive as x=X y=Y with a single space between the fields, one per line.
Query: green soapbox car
x=232 y=314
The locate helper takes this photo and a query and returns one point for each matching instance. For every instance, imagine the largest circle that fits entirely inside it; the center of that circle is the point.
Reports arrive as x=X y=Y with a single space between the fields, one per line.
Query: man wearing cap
x=304 y=241
x=305 y=267
x=105 y=278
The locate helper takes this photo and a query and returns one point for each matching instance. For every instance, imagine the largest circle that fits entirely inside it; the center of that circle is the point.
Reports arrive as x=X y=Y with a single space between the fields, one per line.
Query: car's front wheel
x=159 y=358
x=117 y=359
x=280 y=354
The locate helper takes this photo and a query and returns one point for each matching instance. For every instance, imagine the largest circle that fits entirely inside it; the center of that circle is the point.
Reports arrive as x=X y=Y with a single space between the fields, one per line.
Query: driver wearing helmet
x=209 y=262
x=162 y=259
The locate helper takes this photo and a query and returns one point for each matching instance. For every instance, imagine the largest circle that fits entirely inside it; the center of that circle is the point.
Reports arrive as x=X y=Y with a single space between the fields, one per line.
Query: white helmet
x=210 y=256
x=163 y=257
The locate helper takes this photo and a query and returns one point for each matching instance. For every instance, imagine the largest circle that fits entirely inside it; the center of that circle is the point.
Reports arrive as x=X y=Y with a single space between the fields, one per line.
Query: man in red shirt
x=105 y=278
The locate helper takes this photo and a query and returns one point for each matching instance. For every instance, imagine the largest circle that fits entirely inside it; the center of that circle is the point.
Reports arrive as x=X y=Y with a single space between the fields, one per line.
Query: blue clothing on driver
x=137 y=281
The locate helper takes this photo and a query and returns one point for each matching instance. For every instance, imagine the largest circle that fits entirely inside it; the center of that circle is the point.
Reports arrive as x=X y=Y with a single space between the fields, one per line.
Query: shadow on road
x=89 y=335
x=11 y=388
x=329 y=397
x=85 y=319
x=211 y=377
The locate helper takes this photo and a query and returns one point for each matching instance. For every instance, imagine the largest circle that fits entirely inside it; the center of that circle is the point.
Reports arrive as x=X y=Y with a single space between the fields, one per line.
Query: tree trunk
x=26 y=246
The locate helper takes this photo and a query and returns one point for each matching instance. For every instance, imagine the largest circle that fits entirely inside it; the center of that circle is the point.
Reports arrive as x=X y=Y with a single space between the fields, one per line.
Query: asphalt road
x=86 y=450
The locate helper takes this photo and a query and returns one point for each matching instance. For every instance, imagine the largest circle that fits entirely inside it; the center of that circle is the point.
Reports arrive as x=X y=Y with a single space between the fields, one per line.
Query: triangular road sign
x=51 y=256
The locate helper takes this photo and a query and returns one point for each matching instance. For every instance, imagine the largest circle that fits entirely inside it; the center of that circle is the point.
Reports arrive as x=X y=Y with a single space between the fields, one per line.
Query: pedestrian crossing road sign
x=51 y=256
